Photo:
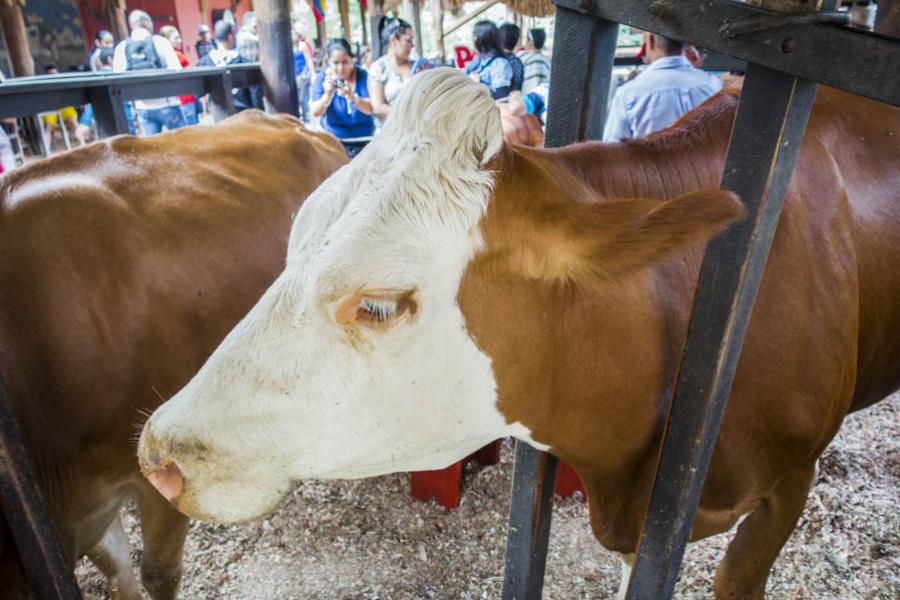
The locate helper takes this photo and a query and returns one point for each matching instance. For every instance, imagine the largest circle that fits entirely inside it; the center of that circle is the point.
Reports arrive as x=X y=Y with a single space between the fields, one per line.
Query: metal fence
x=786 y=55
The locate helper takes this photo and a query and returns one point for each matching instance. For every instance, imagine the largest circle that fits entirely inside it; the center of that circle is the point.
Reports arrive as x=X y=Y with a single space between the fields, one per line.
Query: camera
x=340 y=83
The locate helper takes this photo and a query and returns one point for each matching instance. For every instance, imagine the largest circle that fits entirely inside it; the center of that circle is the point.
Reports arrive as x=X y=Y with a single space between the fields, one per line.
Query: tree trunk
x=204 y=12
x=16 y=38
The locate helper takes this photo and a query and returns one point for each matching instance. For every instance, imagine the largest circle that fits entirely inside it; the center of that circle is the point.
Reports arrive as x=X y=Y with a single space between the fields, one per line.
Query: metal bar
x=109 y=111
x=530 y=514
x=859 y=62
x=162 y=88
x=221 y=102
x=276 y=56
x=46 y=569
x=578 y=94
x=765 y=142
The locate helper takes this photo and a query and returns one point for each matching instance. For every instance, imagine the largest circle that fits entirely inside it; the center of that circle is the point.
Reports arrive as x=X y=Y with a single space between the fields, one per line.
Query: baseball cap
x=203 y=29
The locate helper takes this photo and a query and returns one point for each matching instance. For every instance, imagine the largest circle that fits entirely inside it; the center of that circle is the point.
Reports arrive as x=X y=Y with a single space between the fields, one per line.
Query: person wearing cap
x=205 y=44
x=669 y=87
x=224 y=51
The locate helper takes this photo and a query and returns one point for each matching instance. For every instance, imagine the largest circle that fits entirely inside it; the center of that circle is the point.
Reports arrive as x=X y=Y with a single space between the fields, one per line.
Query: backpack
x=142 y=55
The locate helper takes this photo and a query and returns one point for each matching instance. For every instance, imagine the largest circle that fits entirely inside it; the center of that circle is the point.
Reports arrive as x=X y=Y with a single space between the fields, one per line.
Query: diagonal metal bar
x=26 y=513
x=758 y=166
x=577 y=105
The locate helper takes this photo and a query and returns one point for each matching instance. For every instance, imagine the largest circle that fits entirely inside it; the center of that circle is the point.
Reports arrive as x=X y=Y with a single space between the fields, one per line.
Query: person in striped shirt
x=537 y=66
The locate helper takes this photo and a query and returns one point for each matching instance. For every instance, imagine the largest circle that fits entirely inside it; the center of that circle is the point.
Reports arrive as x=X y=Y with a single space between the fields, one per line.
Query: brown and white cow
x=122 y=266
x=445 y=289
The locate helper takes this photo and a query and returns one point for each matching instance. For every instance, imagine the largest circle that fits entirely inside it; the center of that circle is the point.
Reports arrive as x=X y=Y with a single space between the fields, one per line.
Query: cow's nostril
x=167 y=480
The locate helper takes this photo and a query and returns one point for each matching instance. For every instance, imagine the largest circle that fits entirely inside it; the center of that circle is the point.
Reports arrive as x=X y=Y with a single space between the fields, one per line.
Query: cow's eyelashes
x=384 y=309
x=378 y=310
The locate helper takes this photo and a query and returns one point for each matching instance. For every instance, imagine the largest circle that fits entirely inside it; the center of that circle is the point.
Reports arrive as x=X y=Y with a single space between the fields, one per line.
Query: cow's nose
x=162 y=472
x=167 y=480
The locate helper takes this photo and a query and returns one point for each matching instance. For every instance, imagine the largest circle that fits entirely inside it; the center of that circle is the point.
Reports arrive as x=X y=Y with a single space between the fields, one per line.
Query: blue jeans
x=304 y=91
x=190 y=113
x=153 y=120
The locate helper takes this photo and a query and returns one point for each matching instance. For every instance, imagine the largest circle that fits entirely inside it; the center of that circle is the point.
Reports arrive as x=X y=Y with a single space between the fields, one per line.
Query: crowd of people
x=350 y=96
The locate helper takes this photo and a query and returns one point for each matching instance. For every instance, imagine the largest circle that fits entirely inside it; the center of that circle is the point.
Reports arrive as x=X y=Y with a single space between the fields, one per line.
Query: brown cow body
x=475 y=290
x=824 y=338
x=122 y=266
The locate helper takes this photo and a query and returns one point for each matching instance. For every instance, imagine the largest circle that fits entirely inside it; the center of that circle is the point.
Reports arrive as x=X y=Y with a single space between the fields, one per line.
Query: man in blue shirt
x=667 y=89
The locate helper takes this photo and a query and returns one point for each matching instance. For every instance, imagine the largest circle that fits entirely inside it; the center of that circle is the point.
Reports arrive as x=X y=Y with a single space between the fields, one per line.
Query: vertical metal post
x=26 y=513
x=109 y=110
x=578 y=95
x=277 y=57
x=765 y=141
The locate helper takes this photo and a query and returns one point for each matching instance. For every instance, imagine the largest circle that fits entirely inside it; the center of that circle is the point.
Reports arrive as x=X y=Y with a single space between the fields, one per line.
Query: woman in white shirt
x=389 y=74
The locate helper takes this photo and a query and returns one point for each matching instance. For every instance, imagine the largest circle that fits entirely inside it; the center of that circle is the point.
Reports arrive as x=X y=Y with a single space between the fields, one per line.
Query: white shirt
x=165 y=51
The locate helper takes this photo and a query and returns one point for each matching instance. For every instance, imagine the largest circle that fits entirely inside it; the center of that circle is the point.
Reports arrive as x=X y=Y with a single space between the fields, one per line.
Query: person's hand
x=694 y=56
x=329 y=84
x=346 y=91
x=83 y=134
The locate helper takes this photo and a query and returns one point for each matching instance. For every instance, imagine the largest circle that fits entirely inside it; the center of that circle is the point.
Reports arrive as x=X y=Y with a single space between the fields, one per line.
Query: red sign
x=463 y=56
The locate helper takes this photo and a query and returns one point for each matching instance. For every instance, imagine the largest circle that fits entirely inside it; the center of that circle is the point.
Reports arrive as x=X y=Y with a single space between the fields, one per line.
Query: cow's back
x=123 y=265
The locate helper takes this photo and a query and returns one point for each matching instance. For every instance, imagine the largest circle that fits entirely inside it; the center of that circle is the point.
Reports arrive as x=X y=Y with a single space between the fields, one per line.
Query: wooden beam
x=276 y=56
x=16 y=38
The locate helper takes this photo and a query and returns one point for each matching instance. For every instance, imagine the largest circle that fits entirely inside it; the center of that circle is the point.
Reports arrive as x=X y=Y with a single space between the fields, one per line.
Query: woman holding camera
x=341 y=99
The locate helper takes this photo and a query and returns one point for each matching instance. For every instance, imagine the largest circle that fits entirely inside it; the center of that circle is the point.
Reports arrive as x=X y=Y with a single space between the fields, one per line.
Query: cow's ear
x=572 y=242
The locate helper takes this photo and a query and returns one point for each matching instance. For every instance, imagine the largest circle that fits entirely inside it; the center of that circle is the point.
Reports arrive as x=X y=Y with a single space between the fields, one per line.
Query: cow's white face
x=357 y=361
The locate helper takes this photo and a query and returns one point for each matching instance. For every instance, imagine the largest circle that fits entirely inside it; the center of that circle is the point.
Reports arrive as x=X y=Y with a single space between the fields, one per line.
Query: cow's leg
x=164 y=530
x=750 y=556
x=112 y=555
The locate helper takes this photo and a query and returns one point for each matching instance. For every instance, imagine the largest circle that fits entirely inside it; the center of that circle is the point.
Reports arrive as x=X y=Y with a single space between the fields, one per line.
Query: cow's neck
x=588 y=370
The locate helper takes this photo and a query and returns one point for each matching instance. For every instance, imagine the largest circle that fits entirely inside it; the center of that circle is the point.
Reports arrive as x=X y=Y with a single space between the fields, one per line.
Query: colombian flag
x=318 y=7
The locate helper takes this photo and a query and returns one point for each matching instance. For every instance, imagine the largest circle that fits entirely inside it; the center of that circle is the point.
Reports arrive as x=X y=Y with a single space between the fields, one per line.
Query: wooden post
x=377 y=8
x=344 y=9
x=437 y=28
x=204 y=12
x=411 y=13
x=887 y=19
x=16 y=38
x=321 y=36
x=277 y=57
x=118 y=20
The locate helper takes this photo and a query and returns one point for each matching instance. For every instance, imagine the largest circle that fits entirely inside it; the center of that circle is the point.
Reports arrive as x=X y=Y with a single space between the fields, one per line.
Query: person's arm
x=167 y=53
x=310 y=63
x=617 y=126
x=120 y=65
x=323 y=94
x=380 y=107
